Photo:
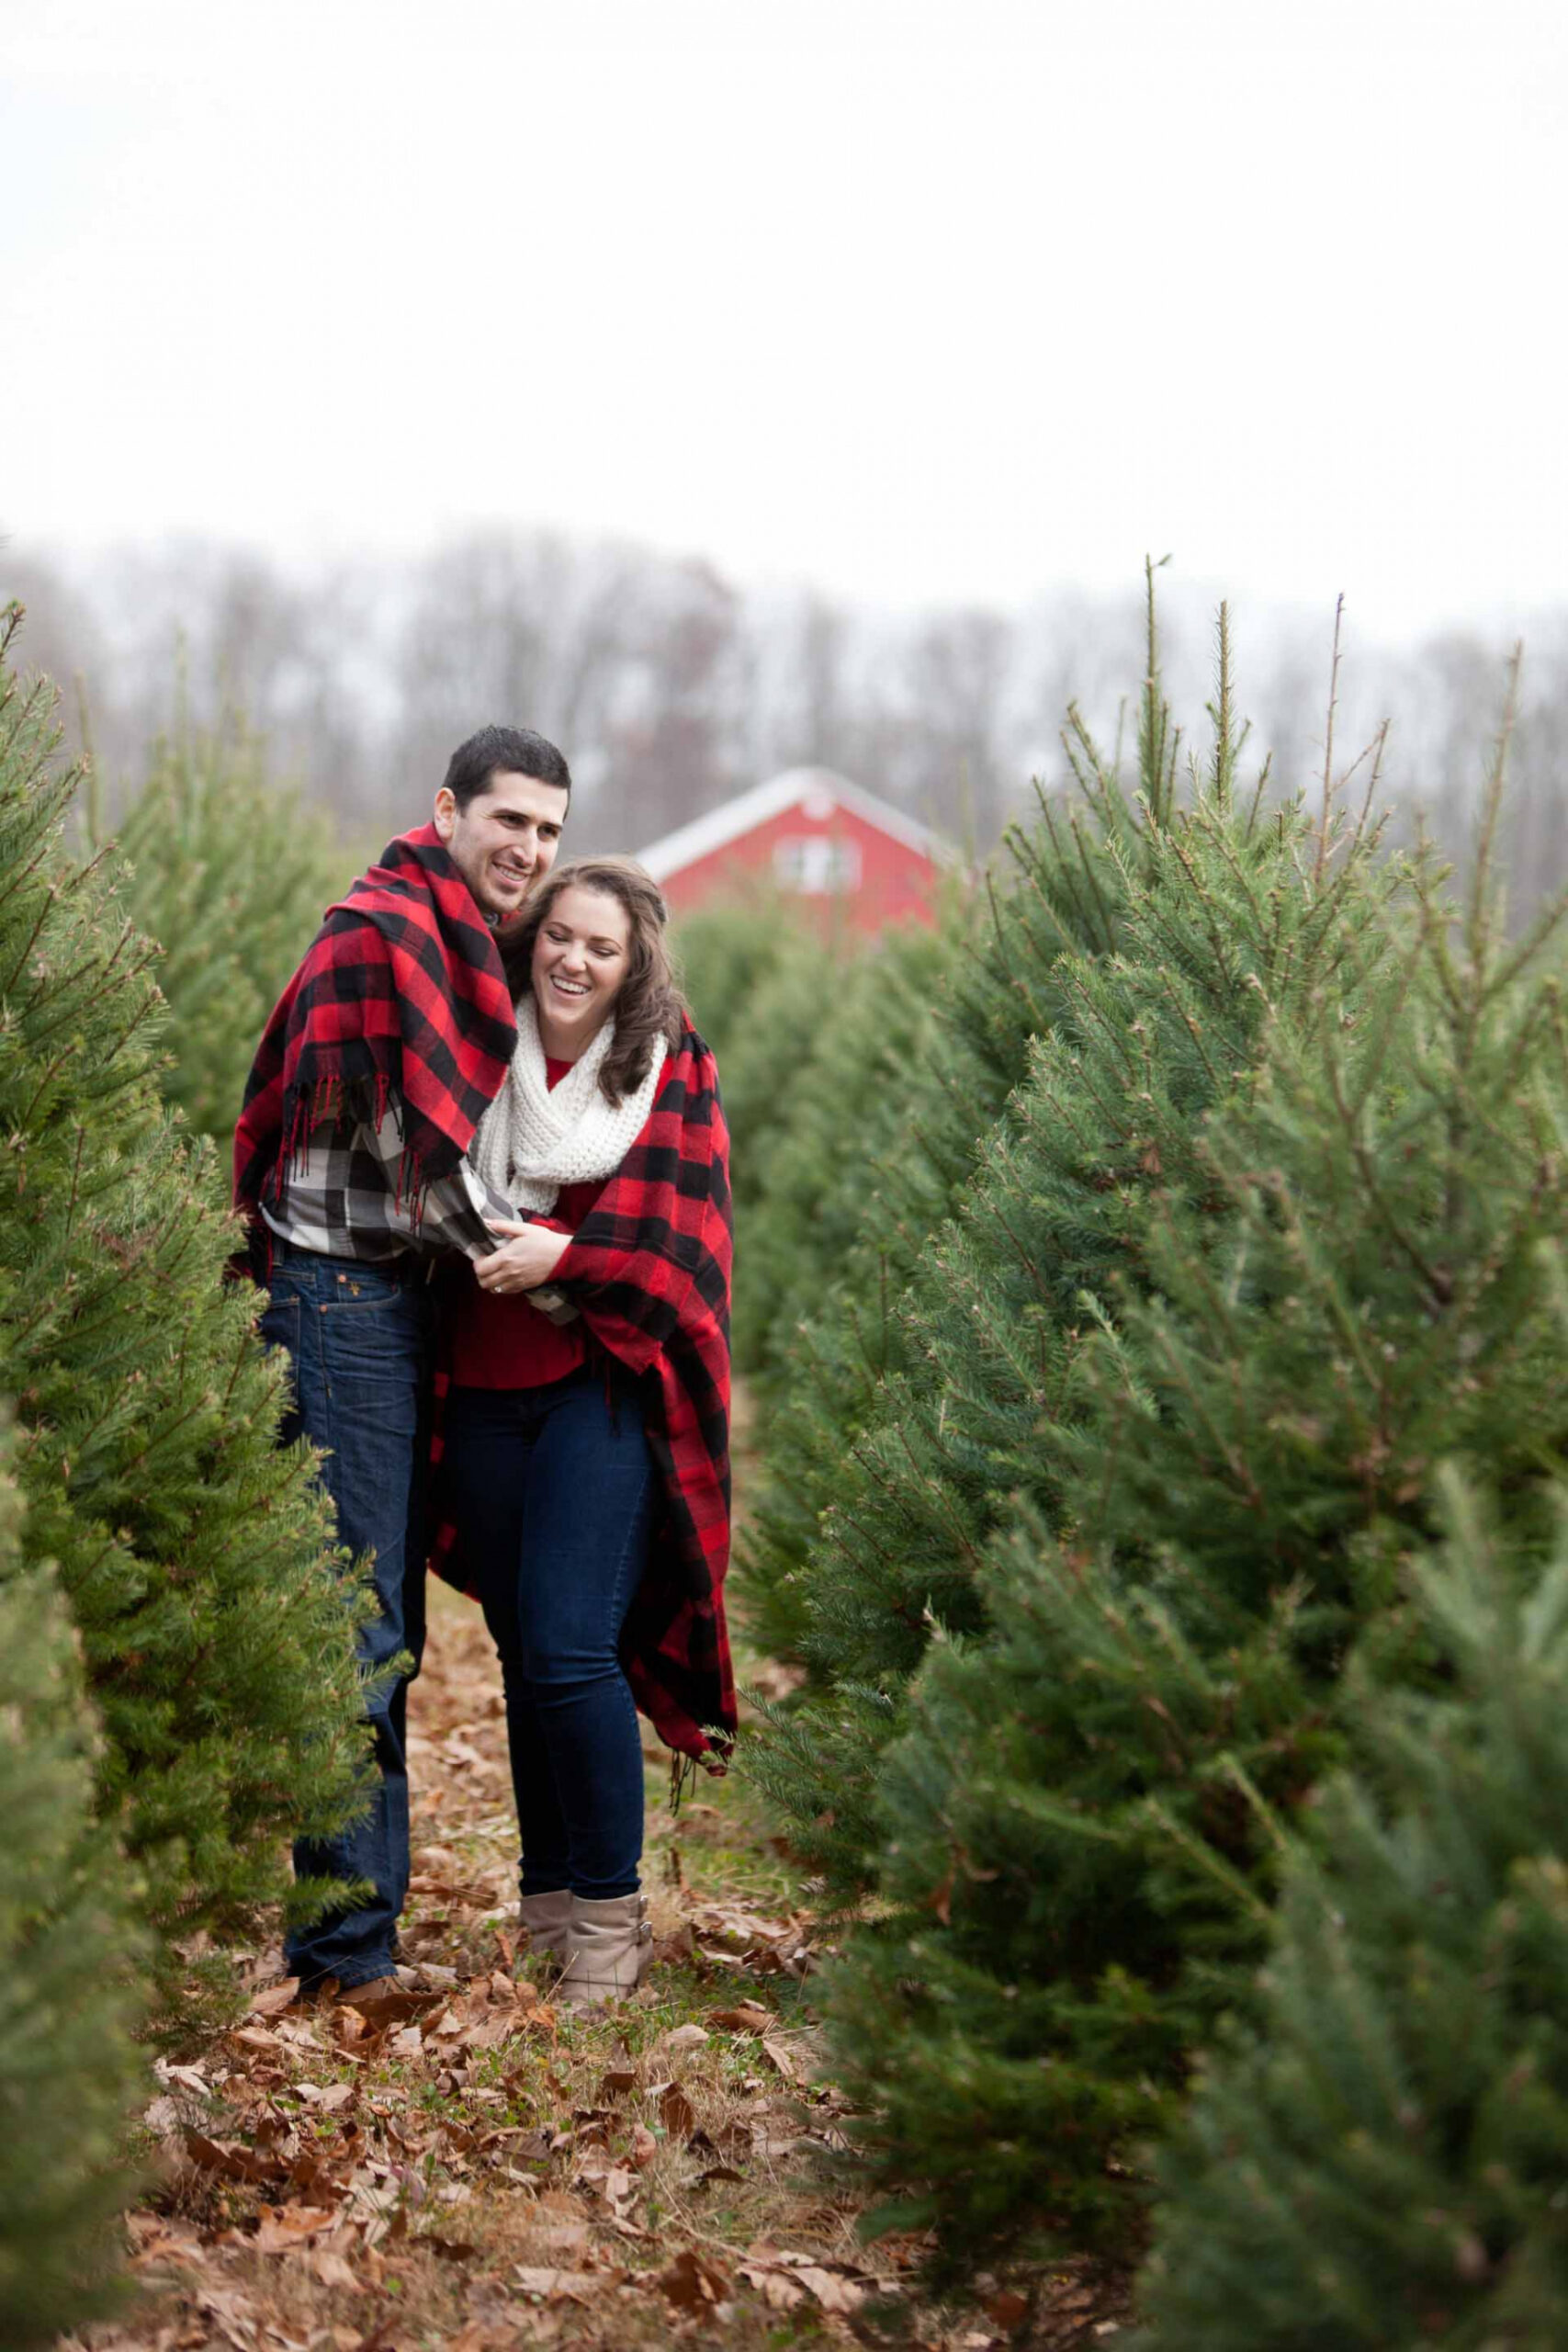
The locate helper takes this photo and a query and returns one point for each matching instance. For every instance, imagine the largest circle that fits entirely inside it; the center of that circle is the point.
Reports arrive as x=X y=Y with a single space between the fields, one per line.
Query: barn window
x=817 y=864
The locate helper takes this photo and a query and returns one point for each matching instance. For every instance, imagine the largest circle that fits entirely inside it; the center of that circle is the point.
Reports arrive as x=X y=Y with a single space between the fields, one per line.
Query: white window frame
x=816 y=866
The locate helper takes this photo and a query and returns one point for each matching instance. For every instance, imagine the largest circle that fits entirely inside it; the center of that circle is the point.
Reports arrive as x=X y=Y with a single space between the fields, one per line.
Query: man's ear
x=445 y=814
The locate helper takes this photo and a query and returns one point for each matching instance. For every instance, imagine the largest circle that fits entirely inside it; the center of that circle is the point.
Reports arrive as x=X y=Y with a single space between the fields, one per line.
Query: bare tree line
x=671 y=688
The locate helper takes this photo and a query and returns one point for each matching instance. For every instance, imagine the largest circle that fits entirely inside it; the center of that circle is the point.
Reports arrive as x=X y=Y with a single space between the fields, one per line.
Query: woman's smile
x=580 y=962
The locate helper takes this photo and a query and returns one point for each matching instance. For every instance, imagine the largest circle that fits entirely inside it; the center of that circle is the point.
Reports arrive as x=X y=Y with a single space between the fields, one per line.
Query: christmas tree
x=193 y=1555
x=840 y=1106
x=69 y=1954
x=229 y=874
x=842 y=1113
x=723 y=953
x=1314 y=1286
x=769 y=1036
x=1379 y=2160
x=1062 y=888
x=1140 y=1037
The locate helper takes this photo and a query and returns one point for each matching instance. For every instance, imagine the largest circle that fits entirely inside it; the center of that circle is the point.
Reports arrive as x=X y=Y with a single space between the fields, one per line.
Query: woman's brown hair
x=648 y=1004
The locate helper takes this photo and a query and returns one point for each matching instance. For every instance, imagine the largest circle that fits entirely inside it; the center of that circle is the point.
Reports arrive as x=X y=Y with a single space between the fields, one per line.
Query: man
x=384 y=1050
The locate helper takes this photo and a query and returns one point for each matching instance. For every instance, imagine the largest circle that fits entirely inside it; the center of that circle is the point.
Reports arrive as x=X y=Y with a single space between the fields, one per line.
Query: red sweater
x=503 y=1342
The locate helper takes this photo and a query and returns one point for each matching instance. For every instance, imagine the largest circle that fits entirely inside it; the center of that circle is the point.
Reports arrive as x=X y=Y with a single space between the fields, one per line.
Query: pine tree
x=1060 y=889
x=723 y=953
x=770 y=1038
x=69 y=1957
x=1379 y=2160
x=838 y=1110
x=229 y=874
x=838 y=1120
x=193 y=1555
x=1212 y=926
x=1334 y=1285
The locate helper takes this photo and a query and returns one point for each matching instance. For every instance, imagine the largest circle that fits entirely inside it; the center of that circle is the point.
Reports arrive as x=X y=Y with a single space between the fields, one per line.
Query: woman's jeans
x=552 y=1491
x=358 y=1336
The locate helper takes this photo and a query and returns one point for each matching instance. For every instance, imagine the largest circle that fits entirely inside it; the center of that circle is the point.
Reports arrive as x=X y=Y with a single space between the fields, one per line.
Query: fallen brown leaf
x=693 y=2283
x=158 y=2242
x=780 y=2290
x=563 y=2286
x=676 y=2112
x=380 y=2337
x=276 y=1999
x=447 y=2249
x=562 y=2237
x=783 y=2277
x=396 y=2005
x=327 y=2097
x=481 y=2336
x=256 y=2037
x=284 y=2227
x=750 y=2017
x=229 y=2159
x=832 y=2291
x=332 y=2270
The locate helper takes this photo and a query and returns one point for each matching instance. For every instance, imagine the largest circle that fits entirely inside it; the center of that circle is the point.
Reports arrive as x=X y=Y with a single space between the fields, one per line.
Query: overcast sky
x=918 y=301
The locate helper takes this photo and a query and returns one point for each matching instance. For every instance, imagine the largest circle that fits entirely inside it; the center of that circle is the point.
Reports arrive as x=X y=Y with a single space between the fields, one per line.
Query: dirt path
x=467 y=2169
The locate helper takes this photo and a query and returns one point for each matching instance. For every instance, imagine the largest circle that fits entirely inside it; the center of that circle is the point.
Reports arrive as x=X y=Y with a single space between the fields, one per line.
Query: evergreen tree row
x=1078 y=1054
x=1377 y=2158
x=70 y=1955
x=229 y=874
x=197 y=1561
x=886 y=1187
x=1250 y=1249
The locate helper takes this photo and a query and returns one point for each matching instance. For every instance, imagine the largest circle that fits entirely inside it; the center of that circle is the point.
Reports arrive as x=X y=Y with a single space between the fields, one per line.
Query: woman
x=586 y=1407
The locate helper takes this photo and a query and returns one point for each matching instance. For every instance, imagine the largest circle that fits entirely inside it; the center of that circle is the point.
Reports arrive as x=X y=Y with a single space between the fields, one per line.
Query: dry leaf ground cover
x=463 y=2167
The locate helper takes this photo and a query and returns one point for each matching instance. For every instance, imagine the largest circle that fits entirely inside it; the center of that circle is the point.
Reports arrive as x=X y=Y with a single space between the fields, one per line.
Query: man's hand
x=526 y=1259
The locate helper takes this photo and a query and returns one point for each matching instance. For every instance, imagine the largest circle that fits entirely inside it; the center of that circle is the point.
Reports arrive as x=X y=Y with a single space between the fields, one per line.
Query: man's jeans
x=358 y=1336
x=553 y=1490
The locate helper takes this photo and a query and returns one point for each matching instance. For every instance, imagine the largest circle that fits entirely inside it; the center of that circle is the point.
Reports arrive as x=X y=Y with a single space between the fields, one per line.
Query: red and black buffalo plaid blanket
x=400 y=997
x=648 y=1271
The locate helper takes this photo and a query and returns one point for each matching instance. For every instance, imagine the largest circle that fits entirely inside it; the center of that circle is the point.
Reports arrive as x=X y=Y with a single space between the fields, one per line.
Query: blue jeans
x=358 y=1337
x=552 y=1490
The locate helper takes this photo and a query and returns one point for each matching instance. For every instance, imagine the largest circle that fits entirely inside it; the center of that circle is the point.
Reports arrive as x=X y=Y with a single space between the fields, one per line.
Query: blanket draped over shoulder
x=400 y=999
x=648 y=1272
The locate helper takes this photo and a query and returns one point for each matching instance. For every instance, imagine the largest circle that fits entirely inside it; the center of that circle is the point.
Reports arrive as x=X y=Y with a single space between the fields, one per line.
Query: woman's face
x=580 y=960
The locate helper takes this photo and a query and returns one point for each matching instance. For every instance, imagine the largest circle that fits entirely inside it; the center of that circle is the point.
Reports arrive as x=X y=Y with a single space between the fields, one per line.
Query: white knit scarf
x=534 y=1139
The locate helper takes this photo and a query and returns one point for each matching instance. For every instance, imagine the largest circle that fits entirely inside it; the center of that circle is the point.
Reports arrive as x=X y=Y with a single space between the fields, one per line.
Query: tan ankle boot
x=547 y=1918
x=609 y=1948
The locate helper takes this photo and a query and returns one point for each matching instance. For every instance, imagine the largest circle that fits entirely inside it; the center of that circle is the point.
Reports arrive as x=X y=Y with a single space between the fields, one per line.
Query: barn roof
x=736 y=817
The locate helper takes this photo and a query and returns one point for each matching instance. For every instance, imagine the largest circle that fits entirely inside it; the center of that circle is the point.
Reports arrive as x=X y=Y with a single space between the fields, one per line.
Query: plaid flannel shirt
x=346 y=1197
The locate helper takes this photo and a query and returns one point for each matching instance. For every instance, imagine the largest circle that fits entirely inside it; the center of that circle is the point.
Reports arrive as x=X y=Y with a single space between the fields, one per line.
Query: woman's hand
x=527 y=1258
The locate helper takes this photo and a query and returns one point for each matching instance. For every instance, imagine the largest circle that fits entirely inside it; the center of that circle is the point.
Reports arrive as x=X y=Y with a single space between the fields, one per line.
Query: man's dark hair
x=516 y=750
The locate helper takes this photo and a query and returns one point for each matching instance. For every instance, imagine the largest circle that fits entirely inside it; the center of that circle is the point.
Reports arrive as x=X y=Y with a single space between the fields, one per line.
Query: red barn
x=813 y=834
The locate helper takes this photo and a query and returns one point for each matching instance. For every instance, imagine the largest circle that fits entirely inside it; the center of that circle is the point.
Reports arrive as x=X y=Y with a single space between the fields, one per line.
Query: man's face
x=504 y=841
